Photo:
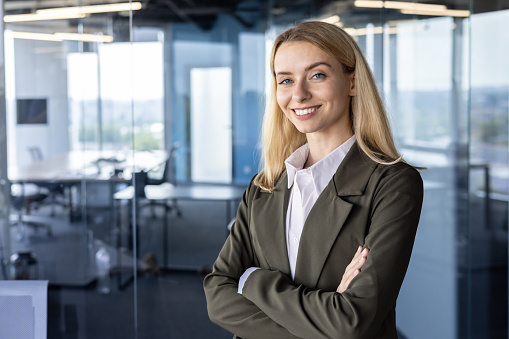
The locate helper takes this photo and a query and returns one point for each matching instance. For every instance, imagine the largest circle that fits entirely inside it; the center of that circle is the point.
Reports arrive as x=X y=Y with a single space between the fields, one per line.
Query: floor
x=169 y=306
x=169 y=303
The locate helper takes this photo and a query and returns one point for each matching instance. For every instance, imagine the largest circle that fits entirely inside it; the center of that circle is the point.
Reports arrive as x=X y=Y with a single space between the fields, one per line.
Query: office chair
x=54 y=189
x=155 y=177
x=27 y=197
x=160 y=175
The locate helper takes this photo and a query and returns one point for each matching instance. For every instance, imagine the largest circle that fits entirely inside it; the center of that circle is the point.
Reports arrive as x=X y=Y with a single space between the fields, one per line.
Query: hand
x=353 y=269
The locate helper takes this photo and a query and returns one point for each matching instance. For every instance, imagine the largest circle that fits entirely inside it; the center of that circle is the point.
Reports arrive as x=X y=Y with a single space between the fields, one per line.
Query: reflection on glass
x=419 y=90
x=489 y=175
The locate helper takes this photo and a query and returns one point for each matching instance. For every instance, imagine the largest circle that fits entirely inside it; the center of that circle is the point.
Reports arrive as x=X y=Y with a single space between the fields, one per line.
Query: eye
x=284 y=82
x=318 y=76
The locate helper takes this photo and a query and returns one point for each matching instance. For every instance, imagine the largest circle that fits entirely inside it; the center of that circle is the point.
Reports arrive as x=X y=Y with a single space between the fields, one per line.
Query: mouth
x=305 y=111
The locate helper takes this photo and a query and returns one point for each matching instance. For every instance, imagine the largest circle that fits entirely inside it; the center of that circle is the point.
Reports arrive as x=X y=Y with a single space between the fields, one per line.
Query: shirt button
x=295 y=240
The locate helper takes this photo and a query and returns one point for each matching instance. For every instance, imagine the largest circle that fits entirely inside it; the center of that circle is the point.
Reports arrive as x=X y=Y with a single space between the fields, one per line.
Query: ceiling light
x=84 y=37
x=413 y=6
x=331 y=20
x=37 y=17
x=72 y=12
x=369 y=4
x=447 y=12
x=62 y=36
x=385 y=30
x=399 y=5
x=35 y=36
x=120 y=7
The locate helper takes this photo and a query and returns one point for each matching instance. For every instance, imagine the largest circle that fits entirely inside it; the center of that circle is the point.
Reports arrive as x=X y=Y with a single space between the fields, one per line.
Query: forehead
x=300 y=54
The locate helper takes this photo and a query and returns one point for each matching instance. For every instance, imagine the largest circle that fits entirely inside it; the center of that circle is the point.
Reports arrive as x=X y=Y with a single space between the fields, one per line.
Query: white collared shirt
x=306 y=186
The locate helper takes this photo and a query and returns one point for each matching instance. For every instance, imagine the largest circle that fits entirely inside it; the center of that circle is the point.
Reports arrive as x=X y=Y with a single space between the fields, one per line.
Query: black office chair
x=157 y=176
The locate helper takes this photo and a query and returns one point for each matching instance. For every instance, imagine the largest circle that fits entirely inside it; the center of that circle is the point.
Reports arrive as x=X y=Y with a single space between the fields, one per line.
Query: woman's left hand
x=353 y=269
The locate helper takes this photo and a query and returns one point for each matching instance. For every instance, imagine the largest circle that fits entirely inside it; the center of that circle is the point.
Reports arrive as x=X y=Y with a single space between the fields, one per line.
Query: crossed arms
x=273 y=306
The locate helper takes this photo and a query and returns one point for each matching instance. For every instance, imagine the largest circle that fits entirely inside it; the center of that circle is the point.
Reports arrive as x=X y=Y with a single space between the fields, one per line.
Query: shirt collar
x=323 y=170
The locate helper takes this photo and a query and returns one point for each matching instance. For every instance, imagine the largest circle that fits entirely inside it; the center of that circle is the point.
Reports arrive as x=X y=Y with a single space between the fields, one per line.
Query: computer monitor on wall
x=32 y=111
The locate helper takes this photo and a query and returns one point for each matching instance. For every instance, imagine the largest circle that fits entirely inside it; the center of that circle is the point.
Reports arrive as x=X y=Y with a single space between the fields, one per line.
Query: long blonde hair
x=368 y=117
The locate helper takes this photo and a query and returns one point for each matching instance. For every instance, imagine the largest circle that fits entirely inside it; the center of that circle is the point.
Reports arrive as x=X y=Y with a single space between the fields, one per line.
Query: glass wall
x=231 y=46
x=71 y=145
x=445 y=85
x=99 y=105
x=489 y=186
x=98 y=102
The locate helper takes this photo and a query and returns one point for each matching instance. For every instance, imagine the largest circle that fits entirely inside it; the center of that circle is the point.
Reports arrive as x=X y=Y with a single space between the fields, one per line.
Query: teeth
x=305 y=111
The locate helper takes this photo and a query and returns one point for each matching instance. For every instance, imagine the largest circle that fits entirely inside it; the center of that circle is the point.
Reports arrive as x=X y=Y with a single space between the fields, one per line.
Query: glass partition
x=427 y=100
x=71 y=147
x=489 y=186
x=131 y=134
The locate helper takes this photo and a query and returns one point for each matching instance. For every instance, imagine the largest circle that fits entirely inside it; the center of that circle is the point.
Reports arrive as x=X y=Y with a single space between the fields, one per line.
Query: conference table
x=87 y=164
x=72 y=168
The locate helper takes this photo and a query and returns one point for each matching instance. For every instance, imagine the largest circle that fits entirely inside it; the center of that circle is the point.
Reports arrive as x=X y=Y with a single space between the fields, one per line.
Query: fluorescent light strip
x=72 y=12
x=37 y=17
x=84 y=37
x=332 y=19
x=414 y=6
x=448 y=12
x=120 y=7
x=399 y=5
x=369 y=4
x=364 y=31
x=35 y=36
x=380 y=30
x=62 y=36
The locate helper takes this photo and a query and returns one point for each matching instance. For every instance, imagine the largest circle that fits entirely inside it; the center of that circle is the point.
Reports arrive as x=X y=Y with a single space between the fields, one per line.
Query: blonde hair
x=368 y=117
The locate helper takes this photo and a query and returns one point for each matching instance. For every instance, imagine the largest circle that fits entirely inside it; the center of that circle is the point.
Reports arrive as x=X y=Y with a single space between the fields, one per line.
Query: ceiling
x=203 y=13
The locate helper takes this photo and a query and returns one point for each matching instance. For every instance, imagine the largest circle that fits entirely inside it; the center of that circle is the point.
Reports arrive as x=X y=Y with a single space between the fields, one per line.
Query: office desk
x=71 y=250
x=90 y=165
x=71 y=168
x=198 y=192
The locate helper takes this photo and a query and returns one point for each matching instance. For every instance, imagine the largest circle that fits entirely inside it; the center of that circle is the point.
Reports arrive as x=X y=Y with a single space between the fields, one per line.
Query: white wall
x=36 y=69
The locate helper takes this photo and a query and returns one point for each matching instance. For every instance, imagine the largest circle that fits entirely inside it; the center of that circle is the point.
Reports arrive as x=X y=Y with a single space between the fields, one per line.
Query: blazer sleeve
x=359 y=311
x=225 y=306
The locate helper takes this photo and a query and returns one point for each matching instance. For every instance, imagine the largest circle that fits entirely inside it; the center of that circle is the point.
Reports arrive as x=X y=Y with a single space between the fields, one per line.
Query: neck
x=319 y=148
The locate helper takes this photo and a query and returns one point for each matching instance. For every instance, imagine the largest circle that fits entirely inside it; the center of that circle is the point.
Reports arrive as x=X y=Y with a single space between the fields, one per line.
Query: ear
x=353 y=90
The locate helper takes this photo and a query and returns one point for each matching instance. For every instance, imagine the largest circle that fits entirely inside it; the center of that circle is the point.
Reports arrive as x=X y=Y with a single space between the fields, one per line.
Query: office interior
x=100 y=101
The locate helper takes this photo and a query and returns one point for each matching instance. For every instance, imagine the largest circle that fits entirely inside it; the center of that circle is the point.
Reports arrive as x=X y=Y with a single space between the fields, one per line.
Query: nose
x=301 y=91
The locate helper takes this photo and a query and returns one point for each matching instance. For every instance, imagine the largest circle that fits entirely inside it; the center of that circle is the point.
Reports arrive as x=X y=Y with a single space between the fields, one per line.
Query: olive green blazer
x=365 y=203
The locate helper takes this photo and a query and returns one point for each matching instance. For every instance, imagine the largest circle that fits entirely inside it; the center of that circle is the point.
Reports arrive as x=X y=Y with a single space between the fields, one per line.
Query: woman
x=332 y=182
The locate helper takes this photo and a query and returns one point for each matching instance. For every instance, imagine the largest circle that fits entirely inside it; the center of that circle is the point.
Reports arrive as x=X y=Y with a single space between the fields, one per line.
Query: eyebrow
x=310 y=67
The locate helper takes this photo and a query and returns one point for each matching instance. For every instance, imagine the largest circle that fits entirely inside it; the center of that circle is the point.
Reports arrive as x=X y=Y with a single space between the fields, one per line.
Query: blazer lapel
x=271 y=210
x=329 y=214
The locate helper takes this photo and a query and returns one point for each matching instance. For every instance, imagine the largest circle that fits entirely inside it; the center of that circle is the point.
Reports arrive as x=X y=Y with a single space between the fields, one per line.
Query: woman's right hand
x=353 y=268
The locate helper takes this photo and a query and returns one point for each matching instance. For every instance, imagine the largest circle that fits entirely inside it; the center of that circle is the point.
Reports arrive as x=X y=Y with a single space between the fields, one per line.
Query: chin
x=305 y=130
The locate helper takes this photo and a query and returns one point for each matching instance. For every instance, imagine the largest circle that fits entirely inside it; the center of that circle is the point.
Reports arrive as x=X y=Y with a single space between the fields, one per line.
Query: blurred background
x=129 y=129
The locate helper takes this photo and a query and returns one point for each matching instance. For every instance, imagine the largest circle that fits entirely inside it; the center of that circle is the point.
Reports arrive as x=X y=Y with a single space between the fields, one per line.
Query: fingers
x=353 y=268
x=358 y=260
x=355 y=259
x=356 y=264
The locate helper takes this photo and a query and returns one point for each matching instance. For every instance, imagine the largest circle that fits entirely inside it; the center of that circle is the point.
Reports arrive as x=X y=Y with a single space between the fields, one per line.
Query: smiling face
x=313 y=91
